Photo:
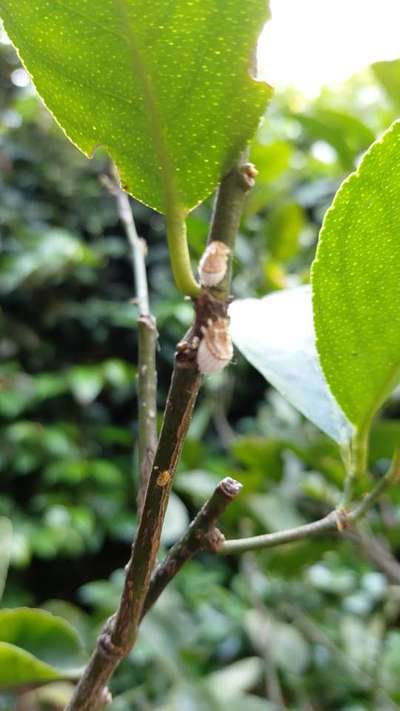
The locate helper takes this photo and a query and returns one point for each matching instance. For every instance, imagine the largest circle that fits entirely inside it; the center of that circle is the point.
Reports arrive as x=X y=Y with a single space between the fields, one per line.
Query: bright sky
x=309 y=43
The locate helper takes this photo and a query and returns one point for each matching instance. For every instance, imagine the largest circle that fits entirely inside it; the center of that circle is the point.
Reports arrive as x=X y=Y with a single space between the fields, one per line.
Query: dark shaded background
x=313 y=626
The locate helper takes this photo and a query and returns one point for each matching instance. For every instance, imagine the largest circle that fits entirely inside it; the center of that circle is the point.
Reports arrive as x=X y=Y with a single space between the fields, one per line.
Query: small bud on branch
x=214 y=263
x=215 y=350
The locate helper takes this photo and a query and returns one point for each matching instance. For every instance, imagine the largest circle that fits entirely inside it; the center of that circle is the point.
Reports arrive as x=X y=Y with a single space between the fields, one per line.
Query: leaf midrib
x=155 y=124
x=138 y=70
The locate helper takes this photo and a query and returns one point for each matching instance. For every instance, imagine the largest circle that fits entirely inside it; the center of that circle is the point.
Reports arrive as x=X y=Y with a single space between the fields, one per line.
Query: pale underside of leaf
x=164 y=87
x=5 y=550
x=356 y=284
x=276 y=335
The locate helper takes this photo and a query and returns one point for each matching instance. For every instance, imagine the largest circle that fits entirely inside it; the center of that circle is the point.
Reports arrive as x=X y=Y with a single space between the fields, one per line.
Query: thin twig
x=337 y=520
x=289 y=535
x=147 y=344
x=227 y=213
x=147 y=402
x=138 y=245
x=120 y=633
x=200 y=535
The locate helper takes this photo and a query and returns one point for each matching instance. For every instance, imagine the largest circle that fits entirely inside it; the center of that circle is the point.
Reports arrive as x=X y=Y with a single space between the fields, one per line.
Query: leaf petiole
x=179 y=252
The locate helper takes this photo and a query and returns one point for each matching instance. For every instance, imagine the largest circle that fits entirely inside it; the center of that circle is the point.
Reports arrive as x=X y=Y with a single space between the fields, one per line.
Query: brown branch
x=227 y=213
x=120 y=633
x=200 y=535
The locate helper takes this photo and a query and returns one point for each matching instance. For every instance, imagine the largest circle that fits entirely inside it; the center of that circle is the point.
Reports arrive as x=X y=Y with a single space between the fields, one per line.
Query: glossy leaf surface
x=164 y=87
x=356 y=284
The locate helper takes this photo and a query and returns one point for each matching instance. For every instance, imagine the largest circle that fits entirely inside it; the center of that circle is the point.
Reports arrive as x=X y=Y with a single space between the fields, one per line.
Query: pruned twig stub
x=201 y=535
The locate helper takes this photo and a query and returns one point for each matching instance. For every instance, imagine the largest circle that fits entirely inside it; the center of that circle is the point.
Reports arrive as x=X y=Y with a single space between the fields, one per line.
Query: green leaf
x=35 y=647
x=388 y=74
x=289 y=649
x=43 y=257
x=18 y=668
x=86 y=382
x=391 y=661
x=236 y=677
x=356 y=284
x=274 y=511
x=164 y=87
x=283 y=230
x=271 y=159
x=385 y=438
x=346 y=133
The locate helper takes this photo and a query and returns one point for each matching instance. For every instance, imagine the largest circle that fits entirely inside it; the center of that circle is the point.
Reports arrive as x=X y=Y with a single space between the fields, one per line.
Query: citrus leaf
x=276 y=335
x=356 y=284
x=18 y=668
x=388 y=74
x=164 y=87
x=346 y=133
x=36 y=646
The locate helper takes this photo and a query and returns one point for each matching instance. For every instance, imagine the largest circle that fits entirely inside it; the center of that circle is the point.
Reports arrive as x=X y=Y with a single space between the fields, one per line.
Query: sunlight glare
x=312 y=43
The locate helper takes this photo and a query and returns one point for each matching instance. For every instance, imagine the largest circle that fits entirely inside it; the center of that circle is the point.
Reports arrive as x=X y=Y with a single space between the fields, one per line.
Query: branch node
x=213 y=540
x=249 y=173
x=106 y=646
x=343 y=520
x=215 y=350
x=214 y=263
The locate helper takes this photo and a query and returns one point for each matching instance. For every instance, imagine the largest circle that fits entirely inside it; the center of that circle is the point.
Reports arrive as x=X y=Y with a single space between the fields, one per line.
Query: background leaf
x=166 y=89
x=347 y=134
x=67 y=471
x=388 y=74
x=176 y=520
x=356 y=284
x=276 y=335
x=18 y=667
x=36 y=646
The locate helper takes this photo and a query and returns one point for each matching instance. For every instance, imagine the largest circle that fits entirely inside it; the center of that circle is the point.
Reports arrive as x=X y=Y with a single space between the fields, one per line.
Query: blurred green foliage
x=314 y=624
